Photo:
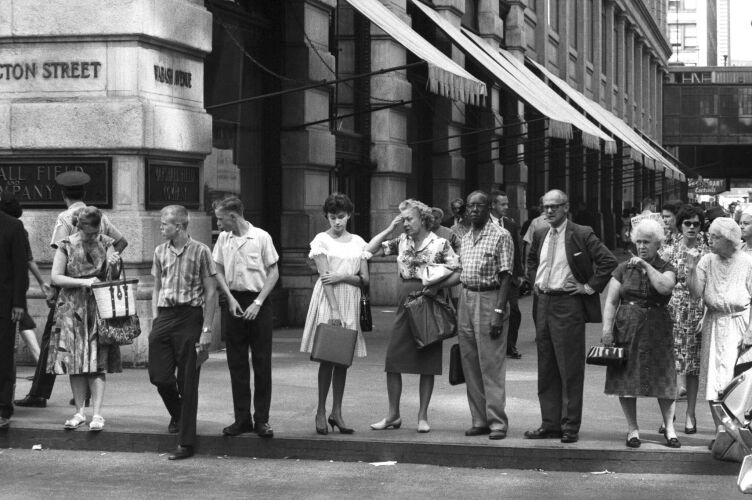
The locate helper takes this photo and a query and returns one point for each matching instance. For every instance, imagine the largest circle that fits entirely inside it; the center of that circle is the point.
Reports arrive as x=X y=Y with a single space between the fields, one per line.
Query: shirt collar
x=248 y=234
x=426 y=241
x=561 y=228
x=77 y=205
x=174 y=250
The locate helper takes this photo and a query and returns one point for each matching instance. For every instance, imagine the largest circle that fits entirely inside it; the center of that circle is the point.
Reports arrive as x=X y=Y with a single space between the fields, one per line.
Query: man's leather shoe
x=173 y=427
x=477 y=431
x=569 y=437
x=237 y=428
x=514 y=353
x=4 y=423
x=541 y=433
x=181 y=453
x=498 y=434
x=31 y=401
x=264 y=430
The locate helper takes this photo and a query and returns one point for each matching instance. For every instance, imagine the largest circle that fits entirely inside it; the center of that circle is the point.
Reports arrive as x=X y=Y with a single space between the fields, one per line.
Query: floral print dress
x=74 y=343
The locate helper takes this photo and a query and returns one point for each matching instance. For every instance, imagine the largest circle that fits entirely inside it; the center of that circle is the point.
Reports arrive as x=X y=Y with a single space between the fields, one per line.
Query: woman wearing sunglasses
x=685 y=311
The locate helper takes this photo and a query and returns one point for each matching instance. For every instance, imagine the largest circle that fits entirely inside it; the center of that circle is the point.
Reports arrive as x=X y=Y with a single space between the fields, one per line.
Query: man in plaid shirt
x=487 y=259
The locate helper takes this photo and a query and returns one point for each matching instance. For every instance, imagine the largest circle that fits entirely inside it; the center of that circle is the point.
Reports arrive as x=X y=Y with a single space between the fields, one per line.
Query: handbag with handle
x=116 y=298
x=434 y=273
x=456 y=375
x=431 y=319
x=606 y=355
x=366 y=319
x=118 y=331
x=334 y=344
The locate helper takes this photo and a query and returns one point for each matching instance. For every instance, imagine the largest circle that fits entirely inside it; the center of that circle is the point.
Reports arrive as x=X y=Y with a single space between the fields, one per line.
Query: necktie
x=501 y=221
x=553 y=236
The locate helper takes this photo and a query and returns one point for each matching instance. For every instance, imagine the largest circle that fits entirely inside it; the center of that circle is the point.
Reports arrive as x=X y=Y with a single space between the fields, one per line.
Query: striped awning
x=445 y=77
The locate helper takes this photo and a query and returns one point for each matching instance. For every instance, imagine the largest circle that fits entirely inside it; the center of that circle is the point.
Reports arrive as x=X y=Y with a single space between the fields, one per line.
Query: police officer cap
x=72 y=178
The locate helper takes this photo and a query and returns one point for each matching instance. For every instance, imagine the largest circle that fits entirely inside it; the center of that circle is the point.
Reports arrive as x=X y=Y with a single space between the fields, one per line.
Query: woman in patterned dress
x=687 y=312
x=723 y=279
x=640 y=290
x=80 y=261
x=343 y=270
x=415 y=249
x=669 y=212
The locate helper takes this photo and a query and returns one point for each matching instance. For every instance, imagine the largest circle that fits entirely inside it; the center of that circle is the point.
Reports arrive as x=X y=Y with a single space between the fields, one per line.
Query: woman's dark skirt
x=402 y=355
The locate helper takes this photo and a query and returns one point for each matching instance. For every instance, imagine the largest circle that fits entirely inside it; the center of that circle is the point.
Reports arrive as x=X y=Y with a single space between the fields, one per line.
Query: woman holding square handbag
x=82 y=260
x=342 y=265
x=416 y=249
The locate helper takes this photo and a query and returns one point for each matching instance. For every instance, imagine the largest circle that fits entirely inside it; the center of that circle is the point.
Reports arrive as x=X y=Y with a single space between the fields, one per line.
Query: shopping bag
x=431 y=319
x=116 y=298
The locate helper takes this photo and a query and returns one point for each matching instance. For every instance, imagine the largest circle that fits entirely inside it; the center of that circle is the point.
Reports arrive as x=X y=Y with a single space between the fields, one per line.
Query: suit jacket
x=514 y=228
x=589 y=260
x=14 y=272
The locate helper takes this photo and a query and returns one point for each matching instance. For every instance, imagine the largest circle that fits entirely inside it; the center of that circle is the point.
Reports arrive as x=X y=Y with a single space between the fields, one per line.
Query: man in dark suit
x=569 y=267
x=14 y=281
x=499 y=208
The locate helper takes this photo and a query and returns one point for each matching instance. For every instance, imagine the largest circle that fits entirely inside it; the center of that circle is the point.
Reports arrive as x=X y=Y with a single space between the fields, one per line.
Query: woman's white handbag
x=434 y=273
x=116 y=298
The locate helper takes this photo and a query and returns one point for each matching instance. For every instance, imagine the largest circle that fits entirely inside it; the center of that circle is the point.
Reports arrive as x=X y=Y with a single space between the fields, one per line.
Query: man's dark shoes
x=477 y=431
x=569 y=437
x=264 y=430
x=514 y=353
x=31 y=401
x=498 y=434
x=4 y=424
x=181 y=453
x=237 y=428
x=541 y=433
x=173 y=427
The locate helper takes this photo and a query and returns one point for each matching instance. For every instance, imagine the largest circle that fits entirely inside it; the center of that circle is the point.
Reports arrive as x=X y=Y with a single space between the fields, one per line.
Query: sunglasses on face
x=691 y=223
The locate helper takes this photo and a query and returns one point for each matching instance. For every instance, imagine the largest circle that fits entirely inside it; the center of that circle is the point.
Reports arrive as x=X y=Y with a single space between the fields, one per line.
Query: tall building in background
x=693 y=27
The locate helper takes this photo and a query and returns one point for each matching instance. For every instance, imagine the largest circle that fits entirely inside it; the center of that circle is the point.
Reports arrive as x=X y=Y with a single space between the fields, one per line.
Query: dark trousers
x=515 y=317
x=172 y=348
x=256 y=335
x=41 y=386
x=560 y=338
x=7 y=366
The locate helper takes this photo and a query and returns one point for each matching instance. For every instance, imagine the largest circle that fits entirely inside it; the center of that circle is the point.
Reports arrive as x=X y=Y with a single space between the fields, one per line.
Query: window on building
x=590 y=38
x=682 y=5
x=553 y=14
x=617 y=57
x=574 y=26
x=683 y=36
x=470 y=17
x=531 y=4
x=604 y=43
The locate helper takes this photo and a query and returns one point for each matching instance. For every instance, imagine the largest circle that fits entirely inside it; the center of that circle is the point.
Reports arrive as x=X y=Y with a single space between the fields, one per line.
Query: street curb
x=496 y=456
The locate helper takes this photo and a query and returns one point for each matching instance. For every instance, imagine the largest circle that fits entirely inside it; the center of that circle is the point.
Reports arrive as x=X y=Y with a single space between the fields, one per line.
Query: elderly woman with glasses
x=636 y=317
x=687 y=312
x=723 y=279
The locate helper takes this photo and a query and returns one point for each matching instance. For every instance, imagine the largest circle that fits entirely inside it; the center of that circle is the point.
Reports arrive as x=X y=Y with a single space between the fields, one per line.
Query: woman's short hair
x=230 y=204
x=648 y=227
x=687 y=212
x=338 y=202
x=90 y=216
x=178 y=214
x=672 y=206
x=426 y=216
x=726 y=228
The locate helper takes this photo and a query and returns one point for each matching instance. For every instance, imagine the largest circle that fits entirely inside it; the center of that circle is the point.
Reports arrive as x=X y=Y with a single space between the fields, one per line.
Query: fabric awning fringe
x=447 y=84
x=559 y=130
x=592 y=142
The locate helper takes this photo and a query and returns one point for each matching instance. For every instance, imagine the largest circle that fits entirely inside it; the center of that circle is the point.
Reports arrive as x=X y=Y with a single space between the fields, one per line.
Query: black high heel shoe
x=671 y=442
x=342 y=430
x=321 y=429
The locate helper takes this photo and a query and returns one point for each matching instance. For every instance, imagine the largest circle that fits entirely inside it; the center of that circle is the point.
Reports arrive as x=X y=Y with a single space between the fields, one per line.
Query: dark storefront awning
x=445 y=77
x=642 y=151
x=514 y=75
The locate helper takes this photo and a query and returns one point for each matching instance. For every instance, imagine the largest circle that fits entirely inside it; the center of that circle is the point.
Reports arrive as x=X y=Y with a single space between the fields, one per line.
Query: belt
x=552 y=292
x=482 y=288
x=646 y=304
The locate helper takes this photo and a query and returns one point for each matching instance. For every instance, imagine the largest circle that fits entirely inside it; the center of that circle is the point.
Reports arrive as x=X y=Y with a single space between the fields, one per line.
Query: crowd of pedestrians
x=679 y=306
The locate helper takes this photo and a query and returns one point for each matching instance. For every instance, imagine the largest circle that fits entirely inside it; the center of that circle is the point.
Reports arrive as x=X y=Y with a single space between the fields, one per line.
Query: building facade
x=194 y=100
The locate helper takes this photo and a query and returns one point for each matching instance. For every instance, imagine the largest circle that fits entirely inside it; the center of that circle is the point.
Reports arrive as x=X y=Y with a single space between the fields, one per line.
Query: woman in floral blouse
x=415 y=249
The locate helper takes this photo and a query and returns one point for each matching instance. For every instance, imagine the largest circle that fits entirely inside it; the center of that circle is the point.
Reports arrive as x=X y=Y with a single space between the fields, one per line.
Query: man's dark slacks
x=41 y=386
x=256 y=335
x=172 y=345
x=515 y=317
x=7 y=366
x=560 y=339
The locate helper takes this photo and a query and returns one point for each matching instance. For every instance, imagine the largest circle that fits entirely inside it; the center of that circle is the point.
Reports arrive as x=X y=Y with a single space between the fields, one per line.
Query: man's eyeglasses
x=553 y=207
x=691 y=223
x=471 y=206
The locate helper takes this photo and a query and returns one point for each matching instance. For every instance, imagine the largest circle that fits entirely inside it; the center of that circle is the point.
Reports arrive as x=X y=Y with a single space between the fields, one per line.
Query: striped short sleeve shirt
x=181 y=273
x=484 y=258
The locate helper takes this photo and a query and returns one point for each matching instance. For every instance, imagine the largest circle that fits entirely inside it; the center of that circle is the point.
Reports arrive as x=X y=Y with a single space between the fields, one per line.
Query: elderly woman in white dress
x=723 y=279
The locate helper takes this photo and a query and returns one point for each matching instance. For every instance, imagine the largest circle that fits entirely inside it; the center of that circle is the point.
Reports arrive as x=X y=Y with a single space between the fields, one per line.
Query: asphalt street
x=27 y=474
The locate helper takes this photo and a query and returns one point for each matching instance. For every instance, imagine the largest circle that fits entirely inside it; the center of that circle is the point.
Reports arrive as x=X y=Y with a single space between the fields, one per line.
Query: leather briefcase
x=334 y=344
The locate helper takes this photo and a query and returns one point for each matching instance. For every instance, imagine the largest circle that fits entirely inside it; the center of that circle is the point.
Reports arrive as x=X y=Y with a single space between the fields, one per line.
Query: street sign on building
x=702 y=185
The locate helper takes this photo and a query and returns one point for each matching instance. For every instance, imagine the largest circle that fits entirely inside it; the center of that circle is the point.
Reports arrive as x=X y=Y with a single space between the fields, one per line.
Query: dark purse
x=456 y=375
x=432 y=319
x=606 y=356
x=118 y=331
x=334 y=344
x=366 y=320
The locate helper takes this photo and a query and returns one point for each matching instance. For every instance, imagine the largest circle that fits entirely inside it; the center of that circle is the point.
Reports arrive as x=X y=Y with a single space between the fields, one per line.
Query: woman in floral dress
x=343 y=270
x=415 y=249
x=80 y=261
x=685 y=311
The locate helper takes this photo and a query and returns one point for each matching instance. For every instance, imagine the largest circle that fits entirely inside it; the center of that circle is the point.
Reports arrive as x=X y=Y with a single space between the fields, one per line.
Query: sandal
x=75 y=422
x=97 y=423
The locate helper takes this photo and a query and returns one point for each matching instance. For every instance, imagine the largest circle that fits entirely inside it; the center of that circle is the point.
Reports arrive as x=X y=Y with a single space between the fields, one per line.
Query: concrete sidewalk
x=137 y=421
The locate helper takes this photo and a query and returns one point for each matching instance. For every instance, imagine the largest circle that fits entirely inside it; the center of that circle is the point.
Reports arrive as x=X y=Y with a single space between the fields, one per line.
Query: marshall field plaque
x=172 y=183
x=33 y=180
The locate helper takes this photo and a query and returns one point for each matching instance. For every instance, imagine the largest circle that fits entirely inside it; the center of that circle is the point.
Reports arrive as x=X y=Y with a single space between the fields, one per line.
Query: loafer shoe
x=31 y=401
x=237 y=428
x=477 y=431
x=541 y=433
x=173 y=427
x=4 y=423
x=498 y=434
x=569 y=437
x=181 y=453
x=264 y=430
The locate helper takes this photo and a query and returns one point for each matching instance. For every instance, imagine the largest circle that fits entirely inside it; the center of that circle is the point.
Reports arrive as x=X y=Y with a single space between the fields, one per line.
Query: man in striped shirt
x=183 y=304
